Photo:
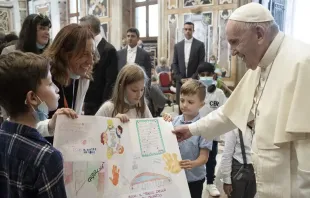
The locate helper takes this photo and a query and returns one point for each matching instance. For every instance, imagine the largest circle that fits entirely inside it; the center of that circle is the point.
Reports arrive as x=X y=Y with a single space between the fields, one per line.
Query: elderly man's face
x=245 y=43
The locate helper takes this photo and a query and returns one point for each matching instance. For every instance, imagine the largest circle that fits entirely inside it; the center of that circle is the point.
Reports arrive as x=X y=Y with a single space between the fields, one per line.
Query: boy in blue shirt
x=30 y=167
x=195 y=150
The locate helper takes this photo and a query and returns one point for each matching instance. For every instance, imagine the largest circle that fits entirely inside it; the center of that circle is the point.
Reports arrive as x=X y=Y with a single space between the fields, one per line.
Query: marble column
x=116 y=23
x=162 y=31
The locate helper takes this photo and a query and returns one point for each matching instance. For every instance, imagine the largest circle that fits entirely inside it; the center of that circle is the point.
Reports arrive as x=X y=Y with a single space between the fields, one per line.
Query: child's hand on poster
x=167 y=117
x=187 y=164
x=123 y=117
x=63 y=111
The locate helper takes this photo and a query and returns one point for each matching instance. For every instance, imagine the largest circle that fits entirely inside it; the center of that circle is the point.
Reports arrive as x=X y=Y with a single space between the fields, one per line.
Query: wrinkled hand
x=115 y=173
x=187 y=164
x=182 y=132
x=227 y=189
x=167 y=117
x=123 y=117
x=63 y=111
x=172 y=163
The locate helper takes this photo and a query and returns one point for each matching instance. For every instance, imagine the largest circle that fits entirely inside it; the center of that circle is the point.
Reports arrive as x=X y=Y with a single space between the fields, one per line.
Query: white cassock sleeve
x=42 y=127
x=212 y=125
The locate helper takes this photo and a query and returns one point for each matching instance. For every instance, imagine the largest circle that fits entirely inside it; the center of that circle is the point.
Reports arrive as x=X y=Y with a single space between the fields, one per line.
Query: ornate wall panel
x=5 y=20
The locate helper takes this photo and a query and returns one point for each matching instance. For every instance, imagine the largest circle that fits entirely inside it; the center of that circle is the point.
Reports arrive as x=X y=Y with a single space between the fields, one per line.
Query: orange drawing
x=115 y=173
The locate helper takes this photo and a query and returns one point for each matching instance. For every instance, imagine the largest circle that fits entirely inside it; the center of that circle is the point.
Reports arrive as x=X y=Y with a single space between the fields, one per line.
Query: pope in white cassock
x=275 y=94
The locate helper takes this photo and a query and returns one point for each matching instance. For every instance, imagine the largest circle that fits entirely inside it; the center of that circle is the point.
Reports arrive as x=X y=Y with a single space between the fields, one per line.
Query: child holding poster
x=30 y=166
x=195 y=150
x=128 y=96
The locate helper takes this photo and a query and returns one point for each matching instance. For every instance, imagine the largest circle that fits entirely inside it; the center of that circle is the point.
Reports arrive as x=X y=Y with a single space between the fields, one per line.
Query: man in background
x=133 y=53
x=188 y=54
x=104 y=72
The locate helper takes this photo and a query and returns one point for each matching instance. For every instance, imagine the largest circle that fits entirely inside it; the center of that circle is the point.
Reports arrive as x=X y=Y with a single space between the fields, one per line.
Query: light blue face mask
x=39 y=46
x=206 y=80
x=127 y=102
x=41 y=113
x=74 y=76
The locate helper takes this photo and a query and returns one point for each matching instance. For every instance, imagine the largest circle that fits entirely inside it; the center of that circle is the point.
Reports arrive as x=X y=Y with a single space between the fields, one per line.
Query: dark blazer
x=197 y=56
x=104 y=74
x=142 y=58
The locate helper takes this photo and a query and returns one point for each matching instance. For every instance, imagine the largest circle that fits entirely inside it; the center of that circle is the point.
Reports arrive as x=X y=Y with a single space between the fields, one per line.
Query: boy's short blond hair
x=193 y=87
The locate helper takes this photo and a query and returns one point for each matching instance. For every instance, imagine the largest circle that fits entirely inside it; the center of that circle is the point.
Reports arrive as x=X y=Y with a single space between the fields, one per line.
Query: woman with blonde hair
x=72 y=54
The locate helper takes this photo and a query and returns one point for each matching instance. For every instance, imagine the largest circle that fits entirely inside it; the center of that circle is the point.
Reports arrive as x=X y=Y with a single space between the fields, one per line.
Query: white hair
x=268 y=26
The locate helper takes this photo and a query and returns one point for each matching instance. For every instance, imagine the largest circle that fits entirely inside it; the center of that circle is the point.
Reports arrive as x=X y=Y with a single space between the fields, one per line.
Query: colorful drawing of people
x=112 y=138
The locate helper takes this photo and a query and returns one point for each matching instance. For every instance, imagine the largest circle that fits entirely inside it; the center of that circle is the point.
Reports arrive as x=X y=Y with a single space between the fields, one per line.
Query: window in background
x=301 y=30
x=74 y=9
x=153 y=20
x=140 y=21
x=146 y=18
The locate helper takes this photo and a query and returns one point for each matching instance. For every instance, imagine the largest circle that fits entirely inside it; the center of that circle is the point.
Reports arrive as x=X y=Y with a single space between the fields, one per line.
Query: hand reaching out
x=115 y=173
x=182 y=132
x=172 y=163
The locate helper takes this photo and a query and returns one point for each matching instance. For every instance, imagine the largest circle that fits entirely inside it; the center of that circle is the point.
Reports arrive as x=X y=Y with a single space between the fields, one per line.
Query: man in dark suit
x=104 y=72
x=133 y=53
x=188 y=54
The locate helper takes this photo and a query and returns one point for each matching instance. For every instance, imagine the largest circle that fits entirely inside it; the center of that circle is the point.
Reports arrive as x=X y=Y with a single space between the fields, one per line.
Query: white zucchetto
x=251 y=13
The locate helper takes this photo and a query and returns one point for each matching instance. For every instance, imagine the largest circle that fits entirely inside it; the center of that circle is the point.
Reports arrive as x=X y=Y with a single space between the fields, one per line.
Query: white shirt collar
x=97 y=39
x=188 y=40
x=272 y=51
x=134 y=49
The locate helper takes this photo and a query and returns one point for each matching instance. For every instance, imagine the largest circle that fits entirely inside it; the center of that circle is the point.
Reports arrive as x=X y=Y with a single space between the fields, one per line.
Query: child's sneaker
x=213 y=191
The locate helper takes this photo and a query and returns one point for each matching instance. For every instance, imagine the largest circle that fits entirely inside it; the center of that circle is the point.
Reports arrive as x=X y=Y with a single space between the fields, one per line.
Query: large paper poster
x=105 y=158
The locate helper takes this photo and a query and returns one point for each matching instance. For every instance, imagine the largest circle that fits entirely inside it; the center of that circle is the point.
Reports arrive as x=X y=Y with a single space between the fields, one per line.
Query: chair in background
x=165 y=84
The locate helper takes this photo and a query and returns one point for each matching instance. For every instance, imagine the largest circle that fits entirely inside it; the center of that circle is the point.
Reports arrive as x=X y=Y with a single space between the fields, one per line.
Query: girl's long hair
x=129 y=74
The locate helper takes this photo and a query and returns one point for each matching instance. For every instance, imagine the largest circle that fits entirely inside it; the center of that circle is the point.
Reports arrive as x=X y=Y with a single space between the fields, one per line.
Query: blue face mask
x=74 y=76
x=206 y=80
x=39 y=46
x=41 y=113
